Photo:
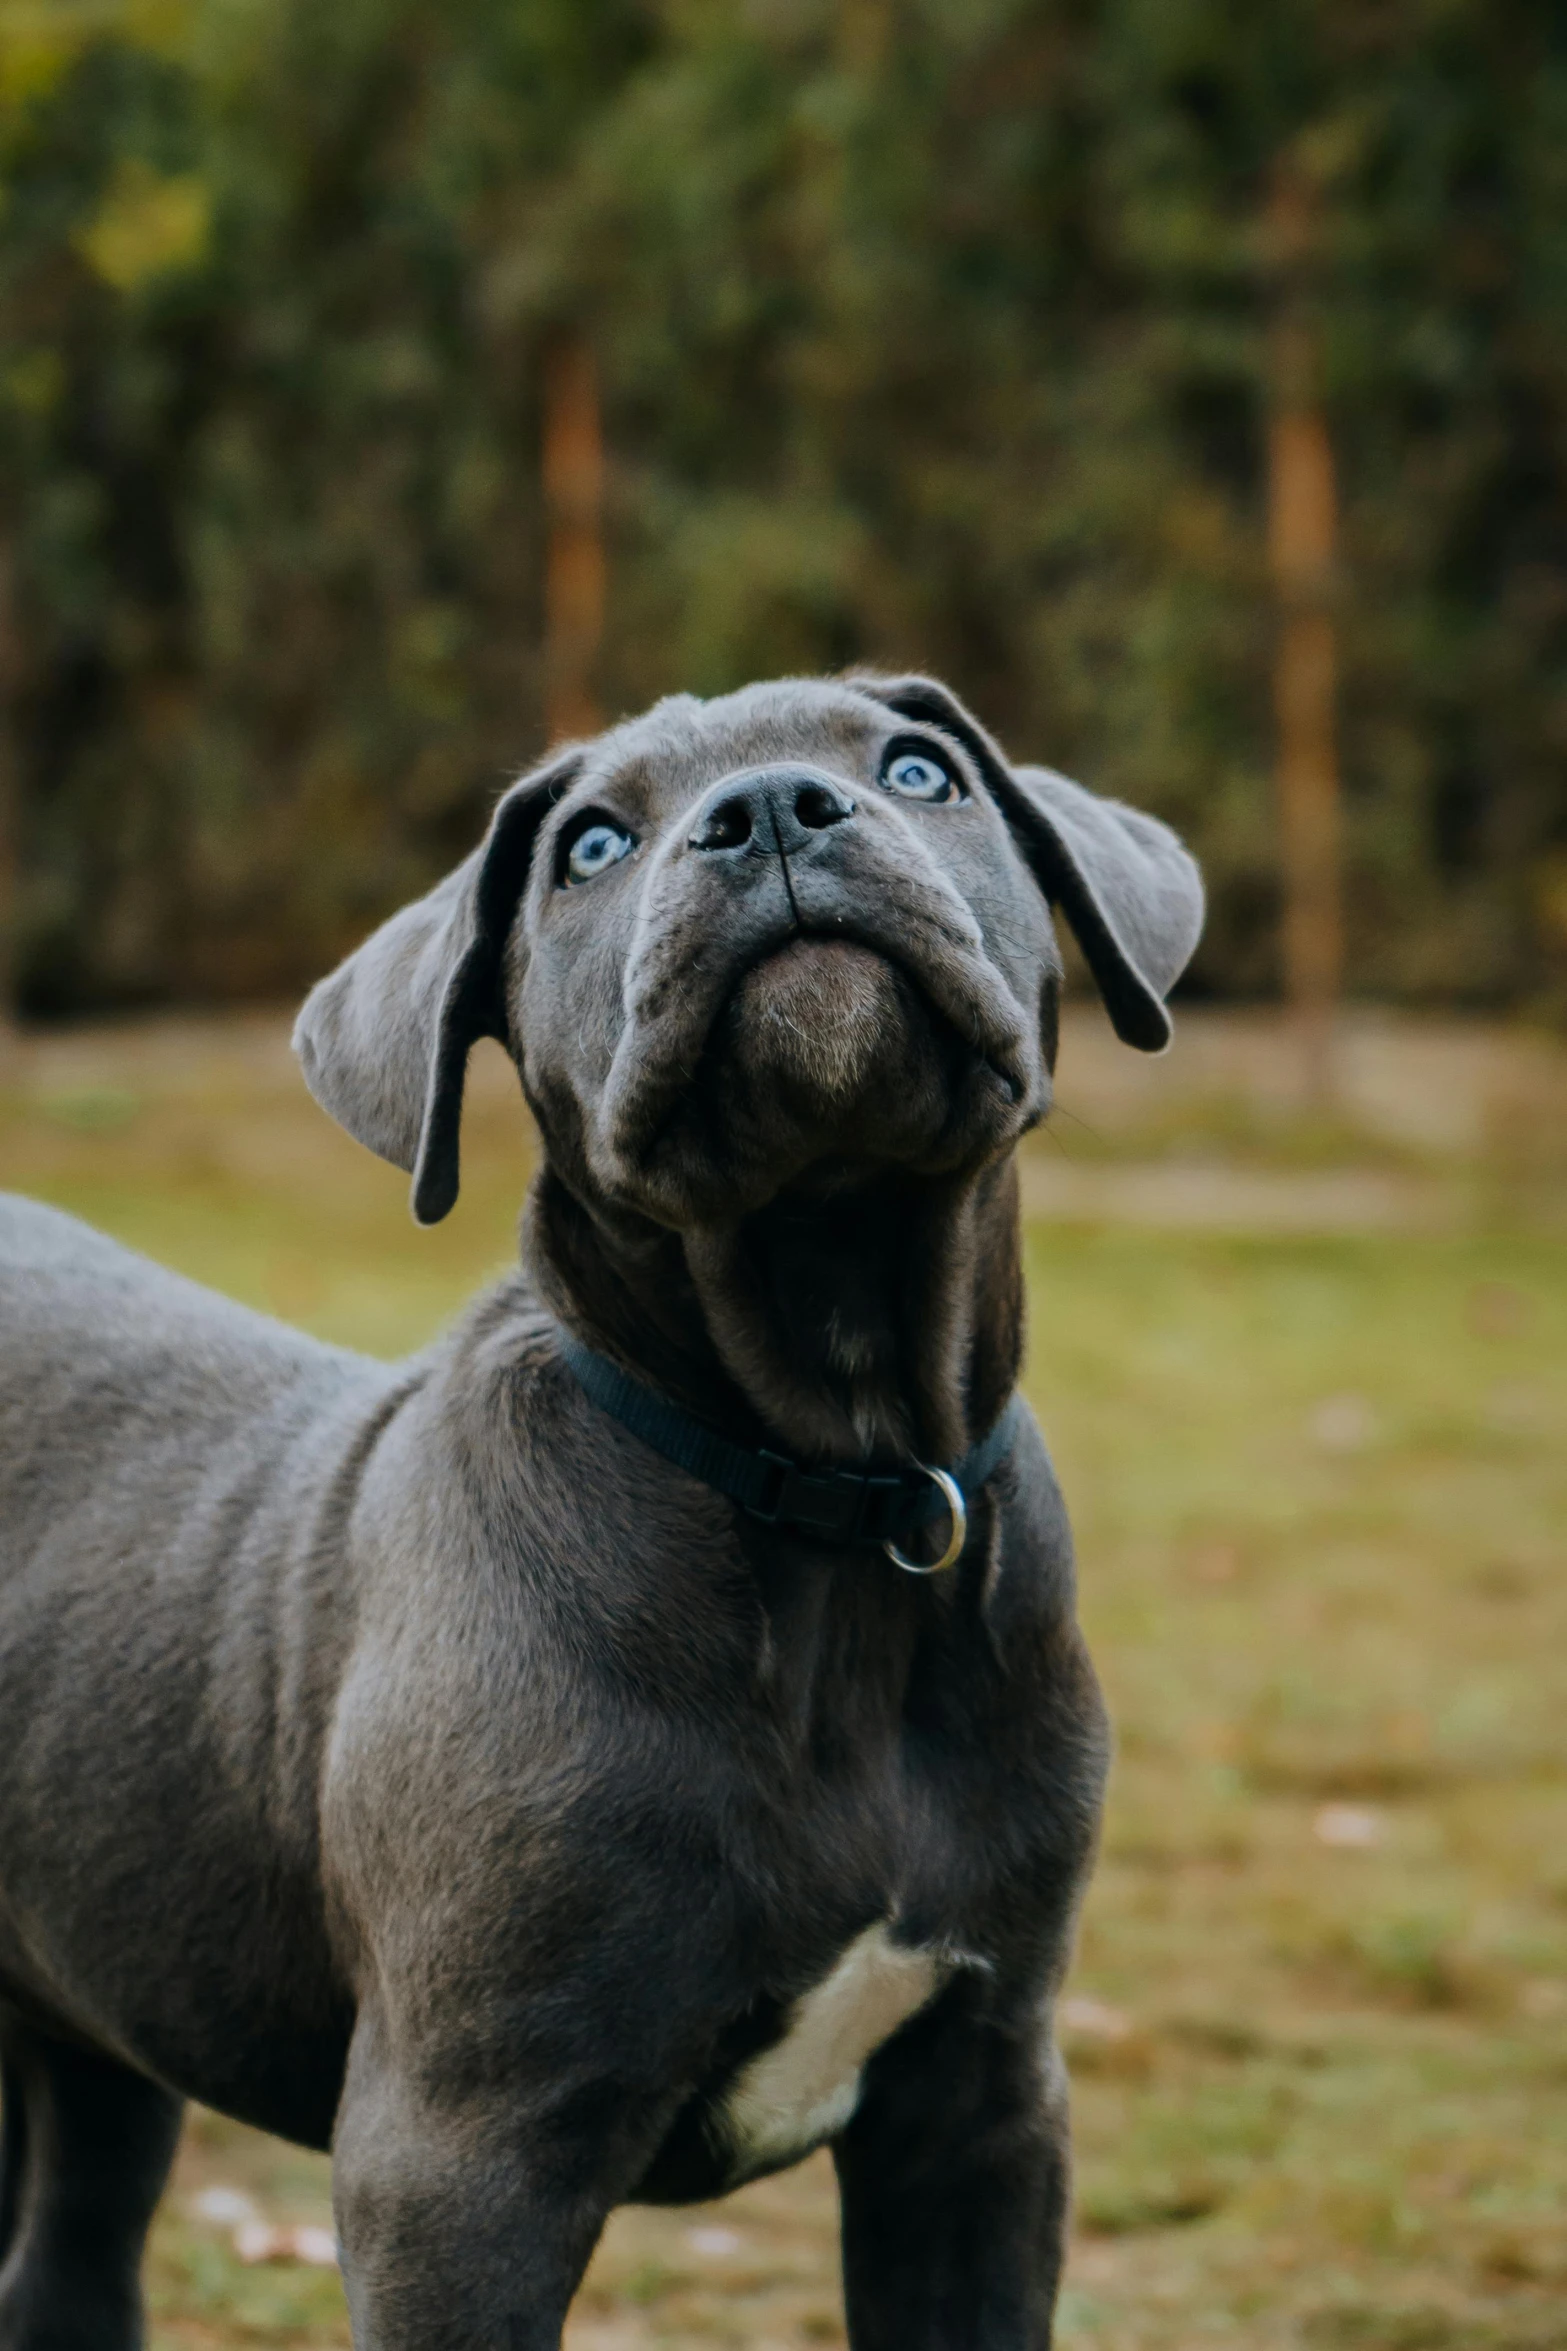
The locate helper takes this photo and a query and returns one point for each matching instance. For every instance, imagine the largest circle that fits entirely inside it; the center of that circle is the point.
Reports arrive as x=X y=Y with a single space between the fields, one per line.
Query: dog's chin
x=814 y=1021
x=827 y=1065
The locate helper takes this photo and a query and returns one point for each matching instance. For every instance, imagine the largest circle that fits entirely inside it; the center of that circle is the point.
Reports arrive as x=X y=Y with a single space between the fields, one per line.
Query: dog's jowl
x=647 y=1736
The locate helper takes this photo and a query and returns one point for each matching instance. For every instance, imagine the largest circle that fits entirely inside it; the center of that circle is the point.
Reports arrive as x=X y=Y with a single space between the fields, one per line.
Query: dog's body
x=423 y=1658
x=404 y=1759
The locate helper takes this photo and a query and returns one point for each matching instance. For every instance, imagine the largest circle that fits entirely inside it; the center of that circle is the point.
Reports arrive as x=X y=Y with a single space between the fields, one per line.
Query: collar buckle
x=834 y=1505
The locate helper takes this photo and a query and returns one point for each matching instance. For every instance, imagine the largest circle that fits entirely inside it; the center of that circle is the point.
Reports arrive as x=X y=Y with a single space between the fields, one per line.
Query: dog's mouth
x=819 y=1007
x=812 y=958
x=892 y=1043
x=825 y=1007
x=828 y=1059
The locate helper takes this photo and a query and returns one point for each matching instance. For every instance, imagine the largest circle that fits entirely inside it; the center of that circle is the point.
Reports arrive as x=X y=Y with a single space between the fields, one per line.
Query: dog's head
x=782 y=939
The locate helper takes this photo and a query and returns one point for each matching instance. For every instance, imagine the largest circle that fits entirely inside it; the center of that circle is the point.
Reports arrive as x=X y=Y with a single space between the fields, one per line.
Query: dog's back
x=123 y=1385
x=173 y=1469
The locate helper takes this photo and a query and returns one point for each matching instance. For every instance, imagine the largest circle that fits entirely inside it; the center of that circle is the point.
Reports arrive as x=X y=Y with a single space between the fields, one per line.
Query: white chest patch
x=806 y=2086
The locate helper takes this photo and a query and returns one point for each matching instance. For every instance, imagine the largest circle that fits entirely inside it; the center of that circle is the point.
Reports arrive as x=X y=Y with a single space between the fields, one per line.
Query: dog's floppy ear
x=384 y=1039
x=1129 y=890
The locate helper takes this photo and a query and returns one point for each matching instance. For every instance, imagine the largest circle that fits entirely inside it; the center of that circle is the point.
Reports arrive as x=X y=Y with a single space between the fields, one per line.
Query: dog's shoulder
x=67 y=1290
x=37 y=1240
x=545 y=1470
x=111 y=1365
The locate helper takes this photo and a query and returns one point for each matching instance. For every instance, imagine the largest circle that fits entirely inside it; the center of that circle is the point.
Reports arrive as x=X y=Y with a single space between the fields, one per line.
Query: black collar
x=833 y=1505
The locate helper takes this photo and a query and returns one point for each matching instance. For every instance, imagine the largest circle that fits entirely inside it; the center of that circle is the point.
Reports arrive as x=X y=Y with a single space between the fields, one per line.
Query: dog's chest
x=803 y=2089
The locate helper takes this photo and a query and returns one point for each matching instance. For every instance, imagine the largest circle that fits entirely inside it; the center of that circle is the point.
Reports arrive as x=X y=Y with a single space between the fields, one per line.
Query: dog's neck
x=876 y=1323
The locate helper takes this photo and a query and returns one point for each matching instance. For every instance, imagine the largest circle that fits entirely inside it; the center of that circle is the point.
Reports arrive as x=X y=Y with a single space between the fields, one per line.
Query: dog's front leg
x=467 y=2210
x=954 y=2180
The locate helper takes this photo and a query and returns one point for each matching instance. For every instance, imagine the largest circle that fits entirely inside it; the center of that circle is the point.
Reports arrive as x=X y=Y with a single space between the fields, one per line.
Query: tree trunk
x=1302 y=546
x=10 y=810
x=574 y=558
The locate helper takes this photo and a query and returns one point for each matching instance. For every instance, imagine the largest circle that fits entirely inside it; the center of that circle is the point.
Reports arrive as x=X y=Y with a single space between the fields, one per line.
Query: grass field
x=1318 y=2024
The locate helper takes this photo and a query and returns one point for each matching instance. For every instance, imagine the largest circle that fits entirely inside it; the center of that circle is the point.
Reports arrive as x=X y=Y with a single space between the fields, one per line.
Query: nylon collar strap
x=833 y=1505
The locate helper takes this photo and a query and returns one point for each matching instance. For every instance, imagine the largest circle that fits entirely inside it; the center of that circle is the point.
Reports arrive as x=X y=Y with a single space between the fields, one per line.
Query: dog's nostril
x=818 y=805
x=728 y=826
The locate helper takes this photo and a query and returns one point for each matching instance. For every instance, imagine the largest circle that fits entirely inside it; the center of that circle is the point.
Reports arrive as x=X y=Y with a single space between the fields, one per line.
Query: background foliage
x=932 y=331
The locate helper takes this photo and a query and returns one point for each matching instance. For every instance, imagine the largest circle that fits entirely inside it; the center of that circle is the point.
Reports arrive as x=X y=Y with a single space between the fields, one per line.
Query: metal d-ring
x=952 y=1495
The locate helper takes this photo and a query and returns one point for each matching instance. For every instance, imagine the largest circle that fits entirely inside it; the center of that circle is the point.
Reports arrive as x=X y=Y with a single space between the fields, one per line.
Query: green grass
x=1320 y=1489
x=1321 y=1495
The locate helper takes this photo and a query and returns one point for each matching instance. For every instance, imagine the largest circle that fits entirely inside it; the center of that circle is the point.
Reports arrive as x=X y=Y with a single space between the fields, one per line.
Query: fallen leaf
x=1216 y=1563
x=261 y=2240
x=1495 y=1310
x=316 y=2246
x=258 y=2240
x=1352 y=1826
x=1344 y=1424
x=715 y=2242
x=1514 y=1409
x=1096 y=2020
x=225 y=2206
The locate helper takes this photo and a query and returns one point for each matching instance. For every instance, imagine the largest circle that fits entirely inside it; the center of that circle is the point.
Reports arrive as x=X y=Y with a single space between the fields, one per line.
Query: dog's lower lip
x=783 y=959
x=807 y=945
x=989 y=1071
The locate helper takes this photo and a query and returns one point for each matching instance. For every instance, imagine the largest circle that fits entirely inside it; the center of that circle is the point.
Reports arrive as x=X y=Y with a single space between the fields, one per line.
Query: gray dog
x=529 y=1770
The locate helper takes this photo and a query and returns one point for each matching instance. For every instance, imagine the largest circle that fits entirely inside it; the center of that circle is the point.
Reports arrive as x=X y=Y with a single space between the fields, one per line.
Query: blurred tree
x=573 y=473
x=930 y=331
x=271 y=311
x=9 y=798
x=1431 y=131
x=943 y=334
x=1302 y=546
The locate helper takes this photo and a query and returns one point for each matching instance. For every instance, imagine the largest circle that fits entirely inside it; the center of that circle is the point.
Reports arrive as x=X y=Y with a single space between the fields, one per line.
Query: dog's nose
x=770 y=807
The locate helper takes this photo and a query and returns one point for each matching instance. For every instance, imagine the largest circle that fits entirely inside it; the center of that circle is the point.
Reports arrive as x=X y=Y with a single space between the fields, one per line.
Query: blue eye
x=920 y=775
x=596 y=848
